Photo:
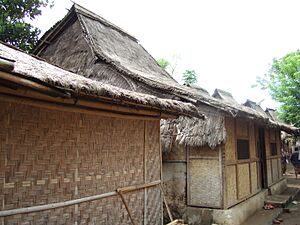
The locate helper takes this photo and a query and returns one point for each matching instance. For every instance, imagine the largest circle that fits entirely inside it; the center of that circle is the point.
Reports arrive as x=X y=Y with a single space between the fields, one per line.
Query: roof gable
x=224 y=95
x=255 y=106
x=114 y=46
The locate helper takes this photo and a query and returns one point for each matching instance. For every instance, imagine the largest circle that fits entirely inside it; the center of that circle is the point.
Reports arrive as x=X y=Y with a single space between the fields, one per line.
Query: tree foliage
x=163 y=63
x=189 y=77
x=14 y=28
x=283 y=83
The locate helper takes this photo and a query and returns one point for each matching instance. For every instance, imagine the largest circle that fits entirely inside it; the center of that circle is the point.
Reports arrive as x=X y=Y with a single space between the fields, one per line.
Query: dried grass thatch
x=42 y=72
x=131 y=67
x=193 y=132
x=224 y=96
x=211 y=131
x=113 y=51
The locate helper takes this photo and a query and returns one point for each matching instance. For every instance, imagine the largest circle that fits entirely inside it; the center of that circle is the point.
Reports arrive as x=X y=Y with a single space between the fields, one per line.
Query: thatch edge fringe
x=50 y=75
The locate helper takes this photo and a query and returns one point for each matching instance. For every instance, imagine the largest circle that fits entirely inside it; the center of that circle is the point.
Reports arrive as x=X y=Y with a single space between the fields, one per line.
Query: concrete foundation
x=278 y=187
x=233 y=216
x=239 y=213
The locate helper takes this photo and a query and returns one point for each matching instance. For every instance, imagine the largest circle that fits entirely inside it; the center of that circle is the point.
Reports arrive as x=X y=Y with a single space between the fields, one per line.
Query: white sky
x=228 y=43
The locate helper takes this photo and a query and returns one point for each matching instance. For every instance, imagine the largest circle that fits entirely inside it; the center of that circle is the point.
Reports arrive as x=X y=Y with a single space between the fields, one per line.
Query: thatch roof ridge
x=272 y=114
x=83 y=11
x=40 y=71
x=224 y=96
x=148 y=71
x=253 y=105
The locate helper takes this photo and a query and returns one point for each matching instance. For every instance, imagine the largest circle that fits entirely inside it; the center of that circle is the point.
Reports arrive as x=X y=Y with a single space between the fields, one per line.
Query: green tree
x=163 y=63
x=283 y=83
x=14 y=28
x=189 y=77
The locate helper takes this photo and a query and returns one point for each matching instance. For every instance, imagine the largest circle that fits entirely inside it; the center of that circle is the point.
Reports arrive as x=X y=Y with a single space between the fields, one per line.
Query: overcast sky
x=228 y=43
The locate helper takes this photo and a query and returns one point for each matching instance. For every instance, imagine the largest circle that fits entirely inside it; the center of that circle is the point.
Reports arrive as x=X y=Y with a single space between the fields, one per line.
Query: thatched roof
x=106 y=53
x=272 y=114
x=117 y=58
x=193 y=132
x=224 y=96
x=254 y=105
x=211 y=131
x=71 y=84
x=113 y=52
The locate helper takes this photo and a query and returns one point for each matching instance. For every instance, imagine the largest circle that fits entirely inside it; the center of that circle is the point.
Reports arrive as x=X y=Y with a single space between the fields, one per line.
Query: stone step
x=282 y=199
x=266 y=217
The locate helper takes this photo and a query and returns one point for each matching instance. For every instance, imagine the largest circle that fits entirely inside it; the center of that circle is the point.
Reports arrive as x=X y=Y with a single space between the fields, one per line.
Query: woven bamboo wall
x=205 y=178
x=278 y=143
x=252 y=141
x=230 y=146
x=51 y=156
x=241 y=176
x=269 y=171
x=274 y=172
x=244 y=185
x=267 y=142
x=242 y=128
x=254 y=177
x=178 y=152
x=231 y=186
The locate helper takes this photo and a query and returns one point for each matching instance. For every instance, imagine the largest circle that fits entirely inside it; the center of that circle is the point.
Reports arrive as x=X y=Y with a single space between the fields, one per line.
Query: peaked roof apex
x=83 y=11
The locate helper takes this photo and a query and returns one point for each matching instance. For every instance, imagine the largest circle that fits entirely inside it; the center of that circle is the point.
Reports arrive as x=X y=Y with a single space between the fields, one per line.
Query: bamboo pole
x=55 y=205
x=101 y=103
x=166 y=204
x=33 y=85
x=72 y=108
x=75 y=201
x=138 y=187
x=126 y=206
x=6 y=64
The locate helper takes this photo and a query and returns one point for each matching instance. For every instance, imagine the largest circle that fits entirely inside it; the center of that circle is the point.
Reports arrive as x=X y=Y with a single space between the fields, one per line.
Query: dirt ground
x=293 y=216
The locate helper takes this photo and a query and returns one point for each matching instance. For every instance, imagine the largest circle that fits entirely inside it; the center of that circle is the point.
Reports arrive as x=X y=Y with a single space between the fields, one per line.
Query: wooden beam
x=71 y=108
x=33 y=85
x=46 y=93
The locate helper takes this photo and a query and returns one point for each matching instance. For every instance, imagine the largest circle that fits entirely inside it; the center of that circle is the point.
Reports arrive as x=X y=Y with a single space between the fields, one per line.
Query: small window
x=243 y=149
x=273 y=149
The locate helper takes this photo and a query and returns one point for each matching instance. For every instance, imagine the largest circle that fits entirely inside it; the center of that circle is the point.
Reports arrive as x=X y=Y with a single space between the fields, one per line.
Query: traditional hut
x=218 y=170
x=77 y=151
x=87 y=44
